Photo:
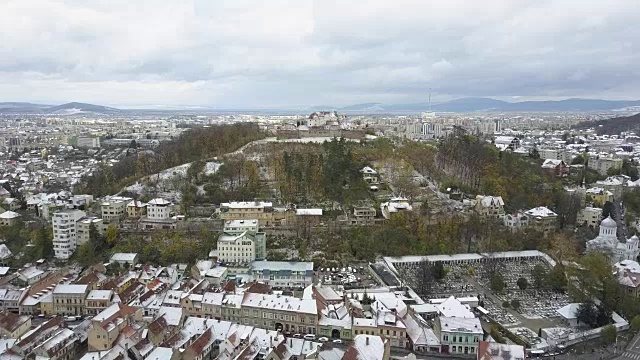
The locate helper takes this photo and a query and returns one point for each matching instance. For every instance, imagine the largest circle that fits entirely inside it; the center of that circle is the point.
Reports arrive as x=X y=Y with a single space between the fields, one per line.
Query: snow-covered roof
x=159 y=202
x=9 y=215
x=121 y=257
x=457 y=324
x=5 y=253
x=452 y=307
x=70 y=289
x=569 y=311
x=540 y=211
x=308 y=212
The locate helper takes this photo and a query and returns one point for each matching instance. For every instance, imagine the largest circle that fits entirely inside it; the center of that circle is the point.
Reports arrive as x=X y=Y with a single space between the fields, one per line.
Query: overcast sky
x=279 y=53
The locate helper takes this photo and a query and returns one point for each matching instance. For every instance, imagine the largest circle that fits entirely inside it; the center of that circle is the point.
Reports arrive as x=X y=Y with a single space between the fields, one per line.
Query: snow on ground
x=171 y=172
x=211 y=167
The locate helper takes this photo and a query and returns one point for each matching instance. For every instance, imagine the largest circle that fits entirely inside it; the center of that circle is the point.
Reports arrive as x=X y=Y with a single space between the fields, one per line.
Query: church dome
x=634 y=238
x=609 y=222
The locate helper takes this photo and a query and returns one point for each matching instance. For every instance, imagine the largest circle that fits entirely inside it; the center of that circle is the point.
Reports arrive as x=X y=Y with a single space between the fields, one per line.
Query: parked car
x=297 y=336
x=337 y=341
x=323 y=339
x=309 y=337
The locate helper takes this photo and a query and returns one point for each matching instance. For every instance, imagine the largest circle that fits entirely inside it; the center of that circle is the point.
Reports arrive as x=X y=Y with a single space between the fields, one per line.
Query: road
x=632 y=351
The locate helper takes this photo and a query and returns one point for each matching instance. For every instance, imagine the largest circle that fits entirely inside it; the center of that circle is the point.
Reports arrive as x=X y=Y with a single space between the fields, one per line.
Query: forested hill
x=192 y=145
x=613 y=126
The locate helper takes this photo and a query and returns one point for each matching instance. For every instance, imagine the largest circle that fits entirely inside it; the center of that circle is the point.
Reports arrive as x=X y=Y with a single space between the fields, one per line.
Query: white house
x=130 y=259
x=159 y=209
x=369 y=175
x=396 y=204
x=489 y=206
x=8 y=218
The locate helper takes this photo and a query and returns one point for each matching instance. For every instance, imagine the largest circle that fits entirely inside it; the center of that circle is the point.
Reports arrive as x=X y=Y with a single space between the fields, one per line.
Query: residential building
x=237 y=227
x=241 y=242
x=136 y=209
x=83 y=227
x=9 y=218
x=602 y=164
x=458 y=335
x=107 y=326
x=363 y=216
x=542 y=219
x=598 y=196
x=589 y=216
x=274 y=312
x=369 y=175
x=239 y=249
x=556 y=167
x=159 y=209
x=517 y=221
x=12 y=325
x=608 y=243
x=613 y=185
x=263 y=211
x=114 y=209
x=395 y=205
x=124 y=259
x=61 y=346
x=11 y=204
x=489 y=206
x=88 y=142
x=65 y=236
x=282 y=273
x=506 y=143
x=69 y=299
x=98 y=300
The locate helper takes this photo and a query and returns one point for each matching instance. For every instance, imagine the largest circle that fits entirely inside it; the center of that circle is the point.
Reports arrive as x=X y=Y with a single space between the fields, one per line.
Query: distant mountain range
x=488 y=104
x=471 y=104
x=64 y=109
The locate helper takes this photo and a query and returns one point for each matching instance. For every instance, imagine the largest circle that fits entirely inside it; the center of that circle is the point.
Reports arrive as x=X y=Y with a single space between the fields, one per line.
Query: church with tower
x=608 y=242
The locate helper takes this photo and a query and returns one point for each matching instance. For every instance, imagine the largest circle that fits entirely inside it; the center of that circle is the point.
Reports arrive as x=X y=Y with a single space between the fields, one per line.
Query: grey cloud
x=306 y=52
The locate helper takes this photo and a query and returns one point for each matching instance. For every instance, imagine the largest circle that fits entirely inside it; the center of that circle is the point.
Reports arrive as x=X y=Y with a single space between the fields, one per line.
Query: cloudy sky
x=288 y=53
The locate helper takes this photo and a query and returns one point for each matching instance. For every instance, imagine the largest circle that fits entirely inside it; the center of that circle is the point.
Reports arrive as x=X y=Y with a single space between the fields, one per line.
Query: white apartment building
x=282 y=273
x=237 y=248
x=159 y=209
x=589 y=216
x=114 y=209
x=65 y=236
x=88 y=142
x=84 y=224
x=239 y=226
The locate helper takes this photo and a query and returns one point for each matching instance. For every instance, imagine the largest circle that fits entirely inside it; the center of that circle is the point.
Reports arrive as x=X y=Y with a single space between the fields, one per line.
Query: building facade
x=65 y=235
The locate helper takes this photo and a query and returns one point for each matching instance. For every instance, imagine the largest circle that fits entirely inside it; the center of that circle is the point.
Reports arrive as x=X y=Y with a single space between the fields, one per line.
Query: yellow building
x=263 y=211
x=13 y=325
x=107 y=325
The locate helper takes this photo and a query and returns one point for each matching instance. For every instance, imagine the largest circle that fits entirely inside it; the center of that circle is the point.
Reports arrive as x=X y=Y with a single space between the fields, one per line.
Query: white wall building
x=589 y=216
x=237 y=227
x=237 y=248
x=65 y=236
x=114 y=209
x=608 y=242
x=159 y=209
x=83 y=225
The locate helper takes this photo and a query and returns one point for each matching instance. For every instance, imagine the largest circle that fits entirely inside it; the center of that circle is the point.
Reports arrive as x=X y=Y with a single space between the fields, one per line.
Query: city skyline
x=309 y=53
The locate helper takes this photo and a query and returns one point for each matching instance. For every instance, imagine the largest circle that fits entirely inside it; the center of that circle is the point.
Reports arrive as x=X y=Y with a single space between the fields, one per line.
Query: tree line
x=192 y=145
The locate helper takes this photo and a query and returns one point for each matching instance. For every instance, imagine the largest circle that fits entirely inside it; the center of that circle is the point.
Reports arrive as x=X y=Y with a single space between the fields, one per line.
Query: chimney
x=367 y=340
